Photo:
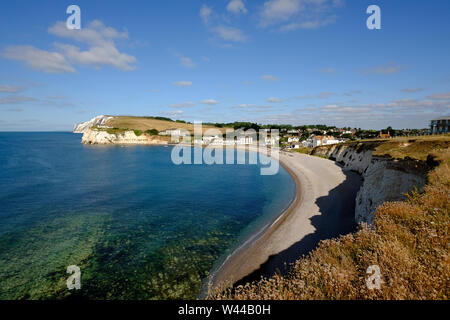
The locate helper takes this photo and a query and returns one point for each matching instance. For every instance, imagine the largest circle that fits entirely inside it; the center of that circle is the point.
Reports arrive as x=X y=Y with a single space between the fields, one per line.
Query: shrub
x=115 y=130
x=152 y=132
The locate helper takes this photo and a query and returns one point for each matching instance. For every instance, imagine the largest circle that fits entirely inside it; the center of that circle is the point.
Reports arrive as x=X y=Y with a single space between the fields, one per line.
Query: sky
x=270 y=61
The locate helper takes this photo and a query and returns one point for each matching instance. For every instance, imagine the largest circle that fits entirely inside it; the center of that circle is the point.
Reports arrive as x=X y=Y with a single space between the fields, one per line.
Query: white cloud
x=95 y=34
x=412 y=90
x=46 y=61
x=252 y=108
x=275 y=11
x=269 y=78
x=10 y=89
x=236 y=6
x=298 y=14
x=385 y=69
x=187 y=62
x=183 y=83
x=15 y=99
x=230 y=33
x=351 y=93
x=224 y=32
x=57 y=97
x=182 y=105
x=310 y=24
x=106 y=54
x=274 y=100
x=328 y=70
x=325 y=95
x=209 y=102
x=440 y=96
x=102 y=50
x=205 y=13
x=174 y=113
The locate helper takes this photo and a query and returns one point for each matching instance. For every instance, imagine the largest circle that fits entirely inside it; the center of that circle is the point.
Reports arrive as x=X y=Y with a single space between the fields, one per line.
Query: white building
x=308 y=143
x=324 y=140
x=174 y=132
x=220 y=141
x=293 y=139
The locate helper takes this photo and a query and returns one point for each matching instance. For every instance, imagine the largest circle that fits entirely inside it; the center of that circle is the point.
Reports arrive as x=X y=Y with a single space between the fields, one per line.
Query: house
x=440 y=125
x=174 y=132
x=293 y=139
x=308 y=143
x=296 y=146
x=382 y=135
x=324 y=140
x=220 y=141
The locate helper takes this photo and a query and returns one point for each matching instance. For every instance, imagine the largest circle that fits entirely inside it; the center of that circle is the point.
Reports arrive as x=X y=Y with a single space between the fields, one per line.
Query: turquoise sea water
x=138 y=226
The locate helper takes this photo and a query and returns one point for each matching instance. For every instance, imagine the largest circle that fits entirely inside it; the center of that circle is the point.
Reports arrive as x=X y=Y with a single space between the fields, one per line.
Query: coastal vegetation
x=152 y=124
x=152 y=132
x=303 y=150
x=408 y=241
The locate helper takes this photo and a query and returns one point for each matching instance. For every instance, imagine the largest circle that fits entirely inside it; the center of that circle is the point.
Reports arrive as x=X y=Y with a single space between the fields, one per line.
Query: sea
x=136 y=225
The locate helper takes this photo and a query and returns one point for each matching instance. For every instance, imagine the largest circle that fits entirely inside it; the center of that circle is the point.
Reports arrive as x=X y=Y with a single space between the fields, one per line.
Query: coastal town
x=162 y=130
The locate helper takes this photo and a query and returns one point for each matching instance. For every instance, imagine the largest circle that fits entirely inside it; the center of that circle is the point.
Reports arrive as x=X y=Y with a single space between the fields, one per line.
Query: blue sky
x=273 y=61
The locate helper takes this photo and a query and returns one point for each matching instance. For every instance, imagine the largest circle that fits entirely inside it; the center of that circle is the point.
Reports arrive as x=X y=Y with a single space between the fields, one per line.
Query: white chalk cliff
x=99 y=121
x=385 y=179
x=94 y=136
x=95 y=131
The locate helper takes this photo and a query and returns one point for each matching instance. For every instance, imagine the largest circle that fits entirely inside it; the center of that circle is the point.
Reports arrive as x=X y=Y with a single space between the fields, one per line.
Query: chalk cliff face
x=94 y=136
x=95 y=132
x=99 y=121
x=385 y=179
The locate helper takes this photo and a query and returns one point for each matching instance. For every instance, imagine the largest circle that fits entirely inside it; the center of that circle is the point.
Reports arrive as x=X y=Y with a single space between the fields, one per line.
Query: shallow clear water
x=138 y=226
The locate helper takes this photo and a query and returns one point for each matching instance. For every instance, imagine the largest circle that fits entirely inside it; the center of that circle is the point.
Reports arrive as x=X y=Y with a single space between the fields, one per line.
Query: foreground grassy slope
x=409 y=242
x=148 y=123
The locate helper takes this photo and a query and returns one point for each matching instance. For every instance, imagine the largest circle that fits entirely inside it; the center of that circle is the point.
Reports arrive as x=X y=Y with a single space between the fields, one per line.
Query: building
x=220 y=141
x=324 y=140
x=174 y=132
x=382 y=135
x=440 y=125
x=293 y=139
x=308 y=143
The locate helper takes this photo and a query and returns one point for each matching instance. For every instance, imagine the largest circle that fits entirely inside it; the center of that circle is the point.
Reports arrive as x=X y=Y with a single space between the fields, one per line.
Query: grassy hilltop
x=143 y=124
x=409 y=241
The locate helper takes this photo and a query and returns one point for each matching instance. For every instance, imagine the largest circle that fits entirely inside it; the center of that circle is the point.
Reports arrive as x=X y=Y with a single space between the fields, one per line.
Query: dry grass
x=303 y=150
x=143 y=124
x=415 y=148
x=409 y=241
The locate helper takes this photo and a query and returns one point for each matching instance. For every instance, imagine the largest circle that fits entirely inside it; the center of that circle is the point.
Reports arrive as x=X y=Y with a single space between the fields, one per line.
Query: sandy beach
x=322 y=209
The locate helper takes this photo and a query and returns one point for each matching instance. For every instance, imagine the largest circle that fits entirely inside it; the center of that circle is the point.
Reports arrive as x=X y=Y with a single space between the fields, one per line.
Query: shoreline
x=278 y=242
x=260 y=234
